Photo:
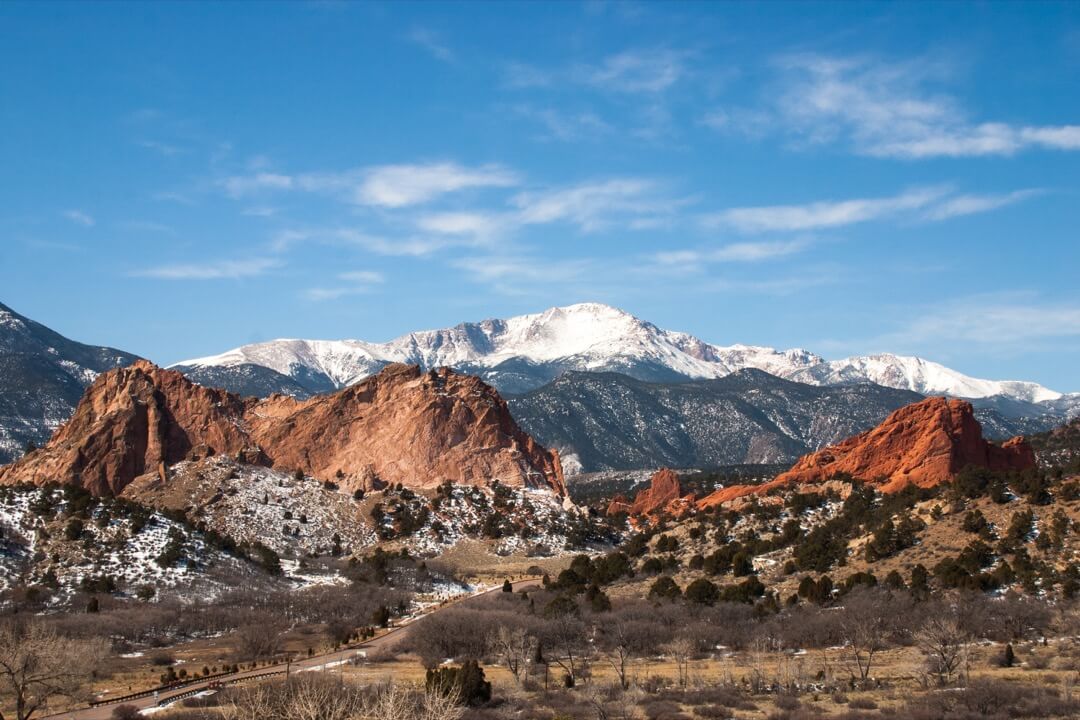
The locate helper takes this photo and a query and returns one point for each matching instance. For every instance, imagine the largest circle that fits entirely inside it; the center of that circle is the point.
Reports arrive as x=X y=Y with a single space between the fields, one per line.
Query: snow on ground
x=294 y=517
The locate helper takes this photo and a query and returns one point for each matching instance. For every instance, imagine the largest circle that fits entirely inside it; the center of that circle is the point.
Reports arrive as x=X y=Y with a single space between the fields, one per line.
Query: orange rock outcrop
x=402 y=425
x=923 y=444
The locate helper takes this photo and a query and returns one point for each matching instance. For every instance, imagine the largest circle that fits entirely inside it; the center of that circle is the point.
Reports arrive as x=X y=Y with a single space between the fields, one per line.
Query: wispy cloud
x=216 y=270
x=478 y=225
x=972 y=204
x=819 y=215
x=1012 y=322
x=390 y=186
x=357 y=282
x=147 y=226
x=161 y=148
x=80 y=218
x=429 y=40
x=635 y=71
x=405 y=246
x=563 y=125
x=401 y=185
x=242 y=185
x=595 y=205
x=522 y=75
x=892 y=110
x=743 y=252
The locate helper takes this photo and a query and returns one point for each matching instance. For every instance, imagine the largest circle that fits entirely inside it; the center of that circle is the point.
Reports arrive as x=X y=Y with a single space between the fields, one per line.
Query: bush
x=702 y=592
x=126 y=712
x=665 y=589
x=466 y=684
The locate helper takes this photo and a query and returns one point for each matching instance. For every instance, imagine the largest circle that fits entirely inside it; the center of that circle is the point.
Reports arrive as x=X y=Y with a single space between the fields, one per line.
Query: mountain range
x=522 y=353
x=629 y=393
x=609 y=421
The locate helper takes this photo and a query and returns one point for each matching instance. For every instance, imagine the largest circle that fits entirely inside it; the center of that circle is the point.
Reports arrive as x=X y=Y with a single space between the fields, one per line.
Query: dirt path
x=316 y=663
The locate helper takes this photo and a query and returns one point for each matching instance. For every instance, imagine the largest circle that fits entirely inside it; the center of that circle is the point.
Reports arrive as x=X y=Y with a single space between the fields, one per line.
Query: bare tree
x=257 y=641
x=514 y=646
x=864 y=626
x=37 y=664
x=681 y=650
x=564 y=636
x=942 y=640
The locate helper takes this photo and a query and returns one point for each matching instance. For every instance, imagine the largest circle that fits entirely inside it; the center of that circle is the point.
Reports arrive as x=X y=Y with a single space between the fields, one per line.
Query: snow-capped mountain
x=522 y=353
x=42 y=376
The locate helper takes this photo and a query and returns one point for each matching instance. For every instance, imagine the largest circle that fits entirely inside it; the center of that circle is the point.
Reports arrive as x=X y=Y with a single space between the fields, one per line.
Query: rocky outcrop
x=922 y=444
x=664 y=494
x=399 y=426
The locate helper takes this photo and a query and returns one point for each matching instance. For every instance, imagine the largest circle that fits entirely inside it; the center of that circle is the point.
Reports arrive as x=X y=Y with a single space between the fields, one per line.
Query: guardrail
x=195 y=691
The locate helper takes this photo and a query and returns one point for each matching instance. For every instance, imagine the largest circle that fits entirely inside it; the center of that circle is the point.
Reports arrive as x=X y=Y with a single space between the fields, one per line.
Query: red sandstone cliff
x=925 y=443
x=401 y=425
x=664 y=494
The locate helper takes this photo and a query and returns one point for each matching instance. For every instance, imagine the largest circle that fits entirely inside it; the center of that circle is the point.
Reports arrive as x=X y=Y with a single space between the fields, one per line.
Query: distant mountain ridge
x=522 y=353
x=608 y=421
x=42 y=376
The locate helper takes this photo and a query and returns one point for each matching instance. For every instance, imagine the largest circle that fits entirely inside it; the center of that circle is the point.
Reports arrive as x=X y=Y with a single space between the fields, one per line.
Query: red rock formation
x=419 y=429
x=664 y=494
x=924 y=444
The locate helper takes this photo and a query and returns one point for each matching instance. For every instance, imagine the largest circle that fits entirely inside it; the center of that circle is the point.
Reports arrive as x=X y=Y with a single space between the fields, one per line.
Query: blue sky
x=182 y=178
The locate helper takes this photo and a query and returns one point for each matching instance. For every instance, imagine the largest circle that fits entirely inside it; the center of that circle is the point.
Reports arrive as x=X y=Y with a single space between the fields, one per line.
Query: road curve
x=314 y=663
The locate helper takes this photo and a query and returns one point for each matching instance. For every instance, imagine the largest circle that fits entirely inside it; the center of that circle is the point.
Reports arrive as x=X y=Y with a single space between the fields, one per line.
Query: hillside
x=605 y=421
x=401 y=426
x=42 y=376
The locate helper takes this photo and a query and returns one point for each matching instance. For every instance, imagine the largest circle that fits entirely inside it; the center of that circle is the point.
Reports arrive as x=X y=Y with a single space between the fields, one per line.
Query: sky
x=179 y=179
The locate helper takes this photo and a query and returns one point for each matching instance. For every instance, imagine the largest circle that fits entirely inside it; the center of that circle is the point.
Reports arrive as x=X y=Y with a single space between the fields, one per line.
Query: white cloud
x=390 y=186
x=218 y=270
x=161 y=148
x=241 y=185
x=1011 y=321
x=520 y=75
x=734 y=252
x=894 y=110
x=477 y=225
x=401 y=185
x=407 y=246
x=80 y=218
x=565 y=126
x=430 y=41
x=636 y=71
x=360 y=282
x=592 y=206
x=817 y=215
x=971 y=204
x=148 y=226
x=368 y=277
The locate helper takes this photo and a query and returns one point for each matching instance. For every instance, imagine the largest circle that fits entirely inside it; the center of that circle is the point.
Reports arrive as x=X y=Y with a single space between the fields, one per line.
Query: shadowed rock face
x=662 y=495
x=922 y=444
x=399 y=426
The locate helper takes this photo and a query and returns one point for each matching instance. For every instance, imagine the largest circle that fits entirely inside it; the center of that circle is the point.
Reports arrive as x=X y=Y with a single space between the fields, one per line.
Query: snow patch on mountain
x=595 y=337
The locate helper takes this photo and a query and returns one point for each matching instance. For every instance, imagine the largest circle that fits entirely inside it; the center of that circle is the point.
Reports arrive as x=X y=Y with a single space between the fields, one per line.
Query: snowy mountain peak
x=523 y=352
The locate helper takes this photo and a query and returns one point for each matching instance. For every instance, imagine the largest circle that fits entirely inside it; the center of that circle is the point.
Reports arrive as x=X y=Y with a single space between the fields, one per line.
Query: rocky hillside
x=400 y=426
x=924 y=444
x=42 y=377
x=603 y=421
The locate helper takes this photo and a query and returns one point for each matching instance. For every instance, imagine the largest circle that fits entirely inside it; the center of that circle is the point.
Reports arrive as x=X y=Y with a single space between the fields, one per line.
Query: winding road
x=314 y=663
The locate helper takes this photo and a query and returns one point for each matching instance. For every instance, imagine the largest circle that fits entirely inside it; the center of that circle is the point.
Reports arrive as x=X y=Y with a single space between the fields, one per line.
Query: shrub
x=466 y=684
x=665 y=589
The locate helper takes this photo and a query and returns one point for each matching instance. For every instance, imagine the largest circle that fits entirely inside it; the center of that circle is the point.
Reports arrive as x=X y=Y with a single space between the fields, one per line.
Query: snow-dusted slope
x=42 y=377
x=524 y=352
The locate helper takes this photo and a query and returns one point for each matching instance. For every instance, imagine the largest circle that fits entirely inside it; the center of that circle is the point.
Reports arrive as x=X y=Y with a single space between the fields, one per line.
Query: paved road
x=314 y=663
